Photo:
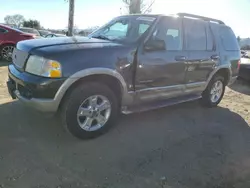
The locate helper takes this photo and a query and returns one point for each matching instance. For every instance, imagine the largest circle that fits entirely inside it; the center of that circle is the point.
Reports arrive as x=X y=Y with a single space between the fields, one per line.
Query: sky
x=54 y=13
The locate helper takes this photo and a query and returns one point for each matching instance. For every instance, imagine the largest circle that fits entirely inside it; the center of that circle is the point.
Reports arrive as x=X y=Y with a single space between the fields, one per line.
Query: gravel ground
x=185 y=146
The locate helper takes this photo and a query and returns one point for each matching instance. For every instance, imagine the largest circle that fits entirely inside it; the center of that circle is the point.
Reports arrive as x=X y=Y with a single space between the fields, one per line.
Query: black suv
x=133 y=63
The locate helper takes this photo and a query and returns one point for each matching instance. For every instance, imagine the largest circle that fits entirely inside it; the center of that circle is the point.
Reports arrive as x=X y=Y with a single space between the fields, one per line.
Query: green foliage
x=238 y=39
x=32 y=23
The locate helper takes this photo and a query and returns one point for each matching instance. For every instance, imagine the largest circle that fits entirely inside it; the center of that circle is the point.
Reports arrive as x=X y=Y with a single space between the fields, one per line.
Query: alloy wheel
x=6 y=52
x=94 y=113
x=216 y=91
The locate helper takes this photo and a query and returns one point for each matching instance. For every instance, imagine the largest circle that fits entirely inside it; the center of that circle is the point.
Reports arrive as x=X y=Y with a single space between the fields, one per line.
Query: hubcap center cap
x=94 y=113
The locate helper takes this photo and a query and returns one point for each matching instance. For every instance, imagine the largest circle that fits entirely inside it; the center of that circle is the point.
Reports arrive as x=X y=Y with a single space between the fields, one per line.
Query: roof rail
x=200 y=17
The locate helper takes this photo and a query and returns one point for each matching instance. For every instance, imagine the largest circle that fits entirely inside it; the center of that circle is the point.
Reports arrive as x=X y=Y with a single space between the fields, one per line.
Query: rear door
x=160 y=74
x=202 y=53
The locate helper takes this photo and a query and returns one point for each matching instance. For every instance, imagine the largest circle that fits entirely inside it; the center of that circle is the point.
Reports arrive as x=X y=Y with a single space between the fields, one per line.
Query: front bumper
x=34 y=91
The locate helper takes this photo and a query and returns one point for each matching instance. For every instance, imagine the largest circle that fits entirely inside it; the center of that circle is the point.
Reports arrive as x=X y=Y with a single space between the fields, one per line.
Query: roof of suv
x=182 y=15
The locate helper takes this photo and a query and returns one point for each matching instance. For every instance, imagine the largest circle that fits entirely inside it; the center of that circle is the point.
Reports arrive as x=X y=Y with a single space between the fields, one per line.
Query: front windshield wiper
x=101 y=37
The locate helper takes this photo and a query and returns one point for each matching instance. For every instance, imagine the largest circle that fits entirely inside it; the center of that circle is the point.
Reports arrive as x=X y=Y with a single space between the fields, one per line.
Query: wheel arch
x=225 y=71
x=7 y=43
x=111 y=78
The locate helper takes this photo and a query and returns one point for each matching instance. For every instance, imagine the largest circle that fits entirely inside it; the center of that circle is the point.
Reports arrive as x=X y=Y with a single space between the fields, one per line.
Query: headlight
x=43 y=67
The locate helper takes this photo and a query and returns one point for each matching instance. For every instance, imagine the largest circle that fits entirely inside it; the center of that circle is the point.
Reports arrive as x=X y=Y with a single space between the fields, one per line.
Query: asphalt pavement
x=185 y=146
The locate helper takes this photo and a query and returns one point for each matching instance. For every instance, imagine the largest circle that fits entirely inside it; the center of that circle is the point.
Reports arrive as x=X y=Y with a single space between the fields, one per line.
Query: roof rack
x=200 y=17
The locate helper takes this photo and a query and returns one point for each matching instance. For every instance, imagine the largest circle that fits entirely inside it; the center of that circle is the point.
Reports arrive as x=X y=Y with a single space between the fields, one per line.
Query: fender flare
x=228 y=67
x=8 y=42
x=89 y=72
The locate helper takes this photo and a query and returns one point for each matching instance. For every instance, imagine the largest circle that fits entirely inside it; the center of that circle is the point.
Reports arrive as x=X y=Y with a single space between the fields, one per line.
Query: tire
x=207 y=100
x=3 y=50
x=76 y=98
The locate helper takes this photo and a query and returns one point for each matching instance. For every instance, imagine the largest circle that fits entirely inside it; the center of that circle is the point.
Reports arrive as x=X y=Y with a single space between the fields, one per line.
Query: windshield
x=17 y=30
x=124 y=29
x=44 y=33
x=28 y=30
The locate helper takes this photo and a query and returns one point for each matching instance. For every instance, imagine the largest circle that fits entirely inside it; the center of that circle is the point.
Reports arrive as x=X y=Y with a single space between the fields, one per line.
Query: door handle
x=215 y=57
x=180 y=58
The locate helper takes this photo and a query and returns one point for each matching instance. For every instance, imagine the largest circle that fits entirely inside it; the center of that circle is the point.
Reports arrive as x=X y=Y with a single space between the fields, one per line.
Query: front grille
x=19 y=58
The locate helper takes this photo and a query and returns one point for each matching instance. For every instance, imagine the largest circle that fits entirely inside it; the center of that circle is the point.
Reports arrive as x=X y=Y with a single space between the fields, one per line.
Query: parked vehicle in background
x=52 y=35
x=244 y=54
x=8 y=40
x=132 y=64
x=9 y=25
x=43 y=33
x=30 y=30
x=245 y=66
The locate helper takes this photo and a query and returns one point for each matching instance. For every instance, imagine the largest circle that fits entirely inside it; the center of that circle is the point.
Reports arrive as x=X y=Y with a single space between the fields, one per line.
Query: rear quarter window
x=2 y=30
x=228 y=39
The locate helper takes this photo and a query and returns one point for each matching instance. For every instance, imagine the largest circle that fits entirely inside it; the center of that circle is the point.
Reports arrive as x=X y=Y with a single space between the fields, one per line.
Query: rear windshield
x=228 y=39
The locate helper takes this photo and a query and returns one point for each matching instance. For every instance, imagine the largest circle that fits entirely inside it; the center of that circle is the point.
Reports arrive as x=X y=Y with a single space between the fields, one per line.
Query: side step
x=159 y=104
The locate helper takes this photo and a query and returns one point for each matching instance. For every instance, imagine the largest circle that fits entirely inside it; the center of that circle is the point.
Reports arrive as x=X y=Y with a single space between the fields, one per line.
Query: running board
x=159 y=104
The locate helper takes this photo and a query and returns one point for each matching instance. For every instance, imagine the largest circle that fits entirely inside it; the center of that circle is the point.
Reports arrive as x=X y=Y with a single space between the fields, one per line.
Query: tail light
x=238 y=66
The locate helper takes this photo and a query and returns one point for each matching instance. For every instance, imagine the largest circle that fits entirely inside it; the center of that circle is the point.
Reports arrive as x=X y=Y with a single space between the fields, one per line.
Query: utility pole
x=135 y=6
x=71 y=17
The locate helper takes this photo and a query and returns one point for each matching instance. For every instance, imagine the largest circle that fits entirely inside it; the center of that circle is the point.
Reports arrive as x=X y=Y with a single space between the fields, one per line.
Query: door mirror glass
x=155 y=45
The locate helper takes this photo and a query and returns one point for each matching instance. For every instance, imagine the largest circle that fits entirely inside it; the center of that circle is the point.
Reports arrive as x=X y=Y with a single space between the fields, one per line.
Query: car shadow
x=3 y=63
x=241 y=86
x=182 y=146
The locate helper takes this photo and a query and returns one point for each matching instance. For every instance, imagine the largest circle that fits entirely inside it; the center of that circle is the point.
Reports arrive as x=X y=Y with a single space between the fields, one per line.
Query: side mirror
x=155 y=45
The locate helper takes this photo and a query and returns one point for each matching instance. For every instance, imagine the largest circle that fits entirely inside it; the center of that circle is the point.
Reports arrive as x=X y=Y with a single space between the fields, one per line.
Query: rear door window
x=195 y=34
x=228 y=39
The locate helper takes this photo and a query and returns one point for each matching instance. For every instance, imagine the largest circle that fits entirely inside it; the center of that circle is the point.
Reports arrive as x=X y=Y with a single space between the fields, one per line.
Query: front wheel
x=214 y=92
x=89 y=110
x=6 y=52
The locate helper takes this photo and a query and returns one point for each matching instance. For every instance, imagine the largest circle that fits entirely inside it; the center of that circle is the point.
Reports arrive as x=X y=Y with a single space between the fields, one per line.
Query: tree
x=238 y=39
x=32 y=23
x=15 y=20
x=139 y=6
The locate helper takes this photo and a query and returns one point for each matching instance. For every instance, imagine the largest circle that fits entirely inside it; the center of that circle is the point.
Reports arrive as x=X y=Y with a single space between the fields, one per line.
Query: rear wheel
x=6 y=52
x=214 y=92
x=89 y=110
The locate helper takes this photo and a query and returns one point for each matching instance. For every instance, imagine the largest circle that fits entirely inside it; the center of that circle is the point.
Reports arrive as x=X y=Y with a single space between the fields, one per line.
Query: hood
x=29 y=45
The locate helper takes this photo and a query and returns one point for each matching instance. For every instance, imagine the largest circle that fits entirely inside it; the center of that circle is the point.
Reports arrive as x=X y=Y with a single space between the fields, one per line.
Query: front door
x=161 y=73
x=202 y=54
